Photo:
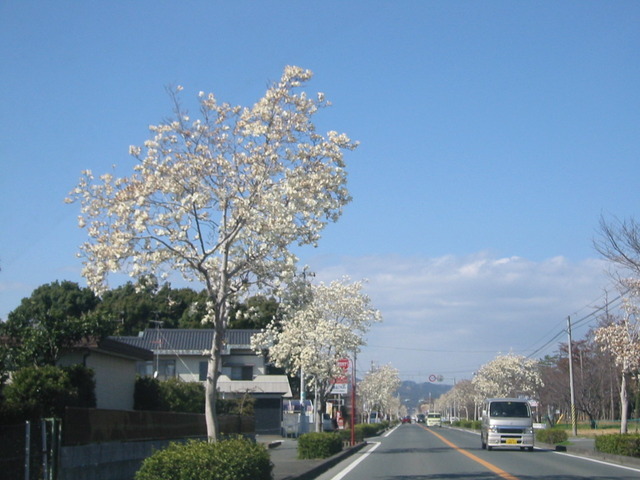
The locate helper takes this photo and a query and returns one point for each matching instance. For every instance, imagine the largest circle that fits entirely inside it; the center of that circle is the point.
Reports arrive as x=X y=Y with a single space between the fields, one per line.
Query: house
x=114 y=365
x=184 y=354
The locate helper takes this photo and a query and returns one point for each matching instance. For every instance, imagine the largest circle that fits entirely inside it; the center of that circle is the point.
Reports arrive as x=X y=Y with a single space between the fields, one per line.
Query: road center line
x=484 y=463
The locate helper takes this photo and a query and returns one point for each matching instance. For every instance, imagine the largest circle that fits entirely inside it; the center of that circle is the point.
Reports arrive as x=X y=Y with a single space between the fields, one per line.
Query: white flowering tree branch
x=377 y=390
x=329 y=326
x=220 y=199
x=621 y=339
x=508 y=376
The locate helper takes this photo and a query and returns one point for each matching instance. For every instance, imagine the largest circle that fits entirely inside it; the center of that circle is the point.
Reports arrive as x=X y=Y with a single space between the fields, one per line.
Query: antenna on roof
x=158 y=324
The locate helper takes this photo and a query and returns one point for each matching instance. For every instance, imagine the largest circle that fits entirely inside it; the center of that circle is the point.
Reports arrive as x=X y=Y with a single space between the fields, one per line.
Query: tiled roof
x=193 y=341
x=113 y=346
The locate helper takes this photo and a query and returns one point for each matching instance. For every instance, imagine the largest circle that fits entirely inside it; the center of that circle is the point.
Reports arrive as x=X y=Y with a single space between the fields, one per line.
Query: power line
x=610 y=303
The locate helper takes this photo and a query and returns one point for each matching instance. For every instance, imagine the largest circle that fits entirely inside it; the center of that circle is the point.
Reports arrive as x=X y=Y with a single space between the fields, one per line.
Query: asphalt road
x=414 y=452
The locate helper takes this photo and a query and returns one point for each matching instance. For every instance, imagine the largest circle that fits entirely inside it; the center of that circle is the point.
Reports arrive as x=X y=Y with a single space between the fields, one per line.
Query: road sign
x=344 y=363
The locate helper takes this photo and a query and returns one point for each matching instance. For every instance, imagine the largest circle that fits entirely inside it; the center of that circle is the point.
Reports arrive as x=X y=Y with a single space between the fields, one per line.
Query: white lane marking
x=391 y=431
x=357 y=462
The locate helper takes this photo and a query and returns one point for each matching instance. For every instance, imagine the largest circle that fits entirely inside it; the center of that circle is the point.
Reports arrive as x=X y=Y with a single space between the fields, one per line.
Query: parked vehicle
x=434 y=419
x=507 y=422
x=328 y=424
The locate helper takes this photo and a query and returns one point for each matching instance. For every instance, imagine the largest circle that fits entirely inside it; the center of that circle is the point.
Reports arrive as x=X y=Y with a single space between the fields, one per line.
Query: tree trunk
x=624 y=404
x=211 y=416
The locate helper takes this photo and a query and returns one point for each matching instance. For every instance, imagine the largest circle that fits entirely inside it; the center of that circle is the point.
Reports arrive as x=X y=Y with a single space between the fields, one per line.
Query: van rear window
x=509 y=409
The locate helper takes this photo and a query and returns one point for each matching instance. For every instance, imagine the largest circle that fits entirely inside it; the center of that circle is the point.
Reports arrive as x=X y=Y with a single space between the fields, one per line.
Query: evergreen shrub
x=551 y=435
x=233 y=459
x=319 y=445
x=471 y=424
x=619 y=444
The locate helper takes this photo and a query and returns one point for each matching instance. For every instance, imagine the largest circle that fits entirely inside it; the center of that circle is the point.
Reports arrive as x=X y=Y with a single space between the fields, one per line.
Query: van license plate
x=512 y=441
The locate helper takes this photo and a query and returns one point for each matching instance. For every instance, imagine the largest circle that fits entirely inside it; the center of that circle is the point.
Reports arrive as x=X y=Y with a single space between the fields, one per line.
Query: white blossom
x=219 y=199
x=508 y=376
x=316 y=335
x=377 y=390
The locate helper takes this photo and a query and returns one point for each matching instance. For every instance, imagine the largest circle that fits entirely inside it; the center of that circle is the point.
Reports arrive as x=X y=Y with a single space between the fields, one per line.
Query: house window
x=242 y=372
x=166 y=369
x=203 y=371
x=145 y=369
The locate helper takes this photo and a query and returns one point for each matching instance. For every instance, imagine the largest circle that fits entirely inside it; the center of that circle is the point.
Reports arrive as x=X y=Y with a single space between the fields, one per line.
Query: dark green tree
x=256 y=313
x=135 y=306
x=56 y=316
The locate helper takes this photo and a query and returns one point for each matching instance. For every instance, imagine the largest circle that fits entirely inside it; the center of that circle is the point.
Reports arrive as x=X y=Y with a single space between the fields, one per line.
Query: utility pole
x=574 y=423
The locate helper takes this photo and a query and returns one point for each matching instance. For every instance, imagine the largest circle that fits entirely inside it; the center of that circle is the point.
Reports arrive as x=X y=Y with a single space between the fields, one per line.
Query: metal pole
x=574 y=422
x=302 y=423
x=45 y=466
x=27 y=450
x=353 y=401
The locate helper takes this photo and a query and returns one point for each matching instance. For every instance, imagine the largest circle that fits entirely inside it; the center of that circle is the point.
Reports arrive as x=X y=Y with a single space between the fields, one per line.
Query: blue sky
x=493 y=137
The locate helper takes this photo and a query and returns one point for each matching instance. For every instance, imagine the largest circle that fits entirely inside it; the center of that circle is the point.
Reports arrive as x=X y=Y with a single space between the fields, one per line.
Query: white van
x=434 y=419
x=507 y=422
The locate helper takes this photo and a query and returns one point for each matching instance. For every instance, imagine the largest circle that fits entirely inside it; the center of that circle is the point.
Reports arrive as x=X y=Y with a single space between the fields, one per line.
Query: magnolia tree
x=461 y=400
x=508 y=376
x=313 y=336
x=622 y=340
x=219 y=199
x=377 y=390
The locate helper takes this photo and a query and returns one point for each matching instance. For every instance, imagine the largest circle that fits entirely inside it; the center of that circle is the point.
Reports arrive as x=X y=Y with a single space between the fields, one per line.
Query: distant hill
x=413 y=394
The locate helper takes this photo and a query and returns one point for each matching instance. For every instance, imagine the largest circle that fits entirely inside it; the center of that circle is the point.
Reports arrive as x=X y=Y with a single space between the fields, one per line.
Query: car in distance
x=434 y=419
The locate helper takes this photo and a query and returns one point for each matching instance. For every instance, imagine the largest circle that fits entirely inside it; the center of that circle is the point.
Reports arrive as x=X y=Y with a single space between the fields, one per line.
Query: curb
x=330 y=462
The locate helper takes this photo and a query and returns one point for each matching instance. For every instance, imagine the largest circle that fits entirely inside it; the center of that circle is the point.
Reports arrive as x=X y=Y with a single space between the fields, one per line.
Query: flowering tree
x=315 y=335
x=377 y=390
x=508 y=376
x=219 y=199
x=622 y=340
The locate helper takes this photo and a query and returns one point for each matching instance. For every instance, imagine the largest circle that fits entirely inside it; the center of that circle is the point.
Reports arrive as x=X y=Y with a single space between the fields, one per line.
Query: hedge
x=319 y=445
x=234 y=459
x=463 y=423
x=364 y=430
x=551 y=435
x=619 y=444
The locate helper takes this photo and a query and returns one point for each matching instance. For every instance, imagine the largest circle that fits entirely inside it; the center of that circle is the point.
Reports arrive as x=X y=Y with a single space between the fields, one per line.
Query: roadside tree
x=621 y=339
x=508 y=376
x=220 y=200
x=313 y=337
x=377 y=390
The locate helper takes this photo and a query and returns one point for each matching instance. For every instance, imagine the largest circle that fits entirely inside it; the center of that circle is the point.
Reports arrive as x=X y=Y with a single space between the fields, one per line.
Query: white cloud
x=450 y=315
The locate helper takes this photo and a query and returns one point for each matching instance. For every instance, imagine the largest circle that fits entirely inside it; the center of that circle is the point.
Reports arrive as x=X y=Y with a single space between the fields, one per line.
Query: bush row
x=551 y=435
x=326 y=444
x=319 y=445
x=233 y=459
x=365 y=430
x=619 y=444
x=462 y=423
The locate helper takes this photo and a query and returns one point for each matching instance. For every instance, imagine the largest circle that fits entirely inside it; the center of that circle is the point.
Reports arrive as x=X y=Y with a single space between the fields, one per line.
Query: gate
x=29 y=450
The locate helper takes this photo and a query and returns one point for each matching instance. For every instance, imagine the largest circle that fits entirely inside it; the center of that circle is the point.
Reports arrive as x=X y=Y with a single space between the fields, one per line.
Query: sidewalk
x=287 y=465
